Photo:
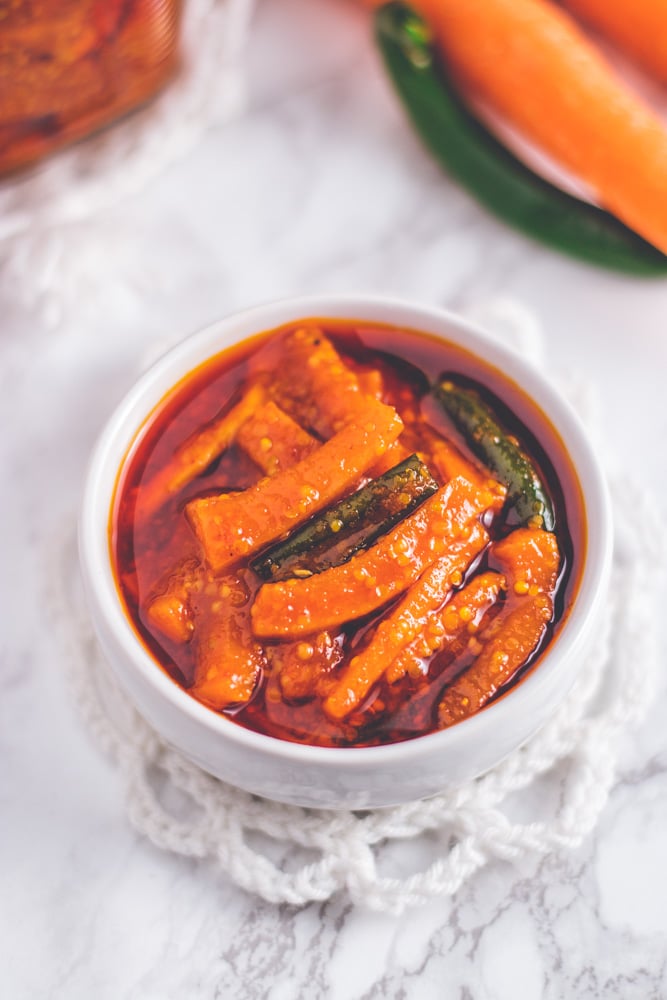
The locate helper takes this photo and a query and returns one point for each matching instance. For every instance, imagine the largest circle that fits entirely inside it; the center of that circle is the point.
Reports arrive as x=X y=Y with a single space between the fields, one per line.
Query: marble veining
x=318 y=186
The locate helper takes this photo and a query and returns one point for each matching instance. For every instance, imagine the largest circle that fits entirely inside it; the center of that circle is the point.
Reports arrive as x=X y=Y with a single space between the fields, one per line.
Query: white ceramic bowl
x=361 y=777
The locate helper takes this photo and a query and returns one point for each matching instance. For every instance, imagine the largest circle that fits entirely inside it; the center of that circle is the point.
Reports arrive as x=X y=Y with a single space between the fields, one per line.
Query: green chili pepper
x=471 y=154
x=498 y=449
x=352 y=524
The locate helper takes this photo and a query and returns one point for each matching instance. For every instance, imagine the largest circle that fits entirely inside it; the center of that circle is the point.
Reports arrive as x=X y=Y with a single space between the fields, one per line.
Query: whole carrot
x=638 y=27
x=529 y=60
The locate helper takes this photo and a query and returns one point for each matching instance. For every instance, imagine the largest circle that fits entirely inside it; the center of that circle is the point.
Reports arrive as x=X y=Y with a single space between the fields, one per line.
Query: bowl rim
x=116 y=439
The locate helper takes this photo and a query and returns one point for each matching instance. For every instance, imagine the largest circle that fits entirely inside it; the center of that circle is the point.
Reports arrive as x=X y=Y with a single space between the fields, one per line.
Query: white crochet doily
x=546 y=796
x=42 y=210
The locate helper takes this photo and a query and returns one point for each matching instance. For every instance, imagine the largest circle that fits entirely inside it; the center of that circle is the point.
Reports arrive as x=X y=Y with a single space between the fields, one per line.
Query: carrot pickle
x=337 y=534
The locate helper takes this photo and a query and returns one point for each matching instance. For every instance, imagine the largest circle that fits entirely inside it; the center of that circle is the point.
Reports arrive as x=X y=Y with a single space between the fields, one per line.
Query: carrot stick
x=371 y=578
x=194 y=455
x=444 y=628
x=169 y=607
x=501 y=657
x=450 y=462
x=392 y=457
x=317 y=387
x=234 y=525
x=273 y=440
x=228 y=663
x=638 y=27
x=530 y=560
x=171 y=614
x=404 y=624
x=324 y=392
x=304 y=666
x=371 y=382
x=530 y=62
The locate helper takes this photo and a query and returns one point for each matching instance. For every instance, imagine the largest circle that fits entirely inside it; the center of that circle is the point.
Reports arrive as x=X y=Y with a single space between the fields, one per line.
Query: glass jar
x=70 y=67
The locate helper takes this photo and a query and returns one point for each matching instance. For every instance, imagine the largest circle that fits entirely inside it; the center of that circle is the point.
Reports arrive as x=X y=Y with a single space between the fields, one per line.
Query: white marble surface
x=319 y=186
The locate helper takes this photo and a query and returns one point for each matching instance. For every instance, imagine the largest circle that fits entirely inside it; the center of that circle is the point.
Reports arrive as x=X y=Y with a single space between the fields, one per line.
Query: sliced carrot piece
x=316 y=386
x=530 y=559
x=638 y=27
x=443 y=629
x=196 y=454
x=273 y=440
x=404 y=624
x=169 y=609
x=530 y=61
x=229 y=662
x=234 y=525
x=393 y=456
x=371 y=382
x=304 y=666
x=171 y=614
x=450 y=462
x=501 y=657
x=369 y=579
